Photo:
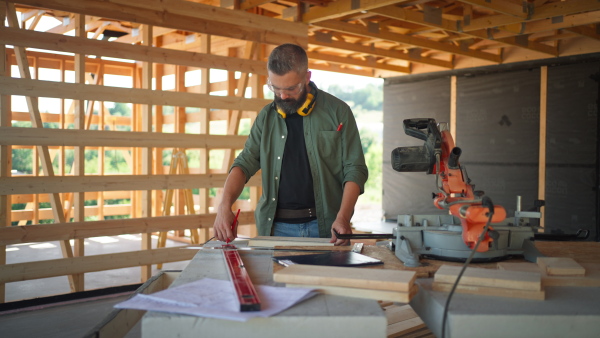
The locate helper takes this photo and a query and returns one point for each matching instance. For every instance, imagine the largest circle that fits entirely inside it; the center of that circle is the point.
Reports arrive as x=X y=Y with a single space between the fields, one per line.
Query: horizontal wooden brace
x=80 y=230
x=58 y=184
x=75 y=265
x=76 y=91
x=72 y=44
x=187 y=16
x=107 y=138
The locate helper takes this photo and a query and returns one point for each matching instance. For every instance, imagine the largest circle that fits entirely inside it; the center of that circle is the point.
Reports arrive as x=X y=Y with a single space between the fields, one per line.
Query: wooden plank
x=491 y=291
x=393 y=296
x=591 y=278
x=63 y=43
x=518 y=280
x=59 y=184
x=107 y=138
x=560 y=266
x=38 y=88
x=381 y=279
x=69 y=266
x=395 y=313
x=405 y=327
x=272 y=241
x=187 y=16
x=78 y=230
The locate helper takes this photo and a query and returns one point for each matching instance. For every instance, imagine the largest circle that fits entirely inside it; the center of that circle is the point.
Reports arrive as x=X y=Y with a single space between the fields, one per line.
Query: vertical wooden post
x=543 y=126
x=146 y=152
x=453 y=108
x=203 y=193
x=180 y=120
x=36 y=121
x=235 y=115
x=79 y=152
x=5 y=151
x=158 y=125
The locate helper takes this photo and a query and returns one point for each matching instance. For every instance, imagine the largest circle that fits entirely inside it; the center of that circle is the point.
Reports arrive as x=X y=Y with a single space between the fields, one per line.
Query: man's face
x=290 y=90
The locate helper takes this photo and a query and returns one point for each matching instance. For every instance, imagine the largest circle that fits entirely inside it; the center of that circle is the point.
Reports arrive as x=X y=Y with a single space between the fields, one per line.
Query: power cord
x=487 y=202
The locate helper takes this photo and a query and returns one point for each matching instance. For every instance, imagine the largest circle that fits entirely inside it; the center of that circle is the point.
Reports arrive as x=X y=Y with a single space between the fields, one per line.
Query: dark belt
x=289 y=213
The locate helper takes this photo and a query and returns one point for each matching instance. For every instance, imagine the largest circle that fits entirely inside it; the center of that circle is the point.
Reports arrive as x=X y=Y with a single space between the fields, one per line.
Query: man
x=307 y=144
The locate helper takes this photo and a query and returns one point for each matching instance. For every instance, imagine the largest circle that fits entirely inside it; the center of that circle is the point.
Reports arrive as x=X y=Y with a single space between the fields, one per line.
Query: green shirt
x=335 y=157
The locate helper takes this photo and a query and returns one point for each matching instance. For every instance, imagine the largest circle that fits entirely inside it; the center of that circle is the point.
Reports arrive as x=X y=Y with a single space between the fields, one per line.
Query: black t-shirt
x=296 y=184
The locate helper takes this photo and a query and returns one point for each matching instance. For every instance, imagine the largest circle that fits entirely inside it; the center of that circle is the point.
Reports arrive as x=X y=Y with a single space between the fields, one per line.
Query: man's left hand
x=342 y=227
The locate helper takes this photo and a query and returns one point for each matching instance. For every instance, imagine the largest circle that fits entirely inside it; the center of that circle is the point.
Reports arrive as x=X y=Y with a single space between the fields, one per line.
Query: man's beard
x=291 y=106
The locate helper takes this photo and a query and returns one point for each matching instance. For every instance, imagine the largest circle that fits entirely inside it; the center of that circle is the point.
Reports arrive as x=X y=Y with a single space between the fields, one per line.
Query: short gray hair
x=286 y=58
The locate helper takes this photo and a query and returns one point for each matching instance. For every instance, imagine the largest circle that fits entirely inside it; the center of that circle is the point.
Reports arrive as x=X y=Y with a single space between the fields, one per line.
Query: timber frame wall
x=149 y=181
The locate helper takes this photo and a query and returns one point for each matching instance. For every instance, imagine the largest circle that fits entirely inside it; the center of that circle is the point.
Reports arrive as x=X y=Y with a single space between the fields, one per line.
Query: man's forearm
x=233 y=187
x=349 y=198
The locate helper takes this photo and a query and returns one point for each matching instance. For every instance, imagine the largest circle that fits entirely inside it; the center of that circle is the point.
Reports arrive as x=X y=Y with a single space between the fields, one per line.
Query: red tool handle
x=235 y=220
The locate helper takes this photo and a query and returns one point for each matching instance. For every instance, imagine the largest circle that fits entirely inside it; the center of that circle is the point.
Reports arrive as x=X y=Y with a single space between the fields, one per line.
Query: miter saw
x=453 y=236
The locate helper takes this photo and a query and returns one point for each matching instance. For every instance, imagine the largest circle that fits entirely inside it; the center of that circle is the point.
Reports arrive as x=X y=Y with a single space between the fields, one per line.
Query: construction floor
x=68 y=318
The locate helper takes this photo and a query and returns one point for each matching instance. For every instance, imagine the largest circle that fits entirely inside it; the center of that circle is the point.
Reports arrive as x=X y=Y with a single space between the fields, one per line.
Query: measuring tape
x=246 y=293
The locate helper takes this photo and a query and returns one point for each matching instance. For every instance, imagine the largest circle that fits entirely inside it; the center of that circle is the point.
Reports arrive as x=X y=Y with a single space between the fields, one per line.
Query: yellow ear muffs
x=306 y=108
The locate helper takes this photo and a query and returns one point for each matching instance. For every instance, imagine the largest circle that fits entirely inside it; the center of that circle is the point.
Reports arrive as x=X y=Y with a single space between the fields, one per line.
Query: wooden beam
x=80 y=230
x=78 y=166
x=27 y=87
x=5 y=151
x=503 y=7
x=187 y=16
x=543 y=140
x=547 y=11
x=60 y=184
x=371 y=50
x=342 y=8
x=107 y=138
x=409 y=40
x=370 y=63
x=71 y=44
x=43 y=152
x=60 y=267
x=454 y=26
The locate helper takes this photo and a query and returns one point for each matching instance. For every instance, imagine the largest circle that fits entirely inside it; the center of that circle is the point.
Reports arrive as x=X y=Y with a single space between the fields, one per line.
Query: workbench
x=320 y=316
x=565 y=312
x=571 y=311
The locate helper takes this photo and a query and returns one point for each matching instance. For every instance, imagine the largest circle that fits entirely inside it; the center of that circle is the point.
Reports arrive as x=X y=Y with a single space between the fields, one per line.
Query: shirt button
x=279 y=157
x=282 y=136
x=273 y=198
x=276 y=178
x=269 y=219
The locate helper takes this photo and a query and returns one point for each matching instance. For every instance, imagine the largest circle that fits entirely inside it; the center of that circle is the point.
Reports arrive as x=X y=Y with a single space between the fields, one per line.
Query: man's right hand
x=222 y=225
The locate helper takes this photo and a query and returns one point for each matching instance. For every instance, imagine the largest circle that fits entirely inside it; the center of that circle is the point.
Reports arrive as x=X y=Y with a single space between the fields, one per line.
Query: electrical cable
x=486 y=201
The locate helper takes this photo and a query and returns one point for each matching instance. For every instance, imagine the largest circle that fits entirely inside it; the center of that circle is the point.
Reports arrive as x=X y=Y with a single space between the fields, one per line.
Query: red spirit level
x=246 y=293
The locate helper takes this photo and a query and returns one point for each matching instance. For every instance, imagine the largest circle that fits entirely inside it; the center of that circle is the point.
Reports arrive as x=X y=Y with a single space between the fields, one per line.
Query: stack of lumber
x=404 y=322
x=489 y=282
x=378 y=284
x=559 y=271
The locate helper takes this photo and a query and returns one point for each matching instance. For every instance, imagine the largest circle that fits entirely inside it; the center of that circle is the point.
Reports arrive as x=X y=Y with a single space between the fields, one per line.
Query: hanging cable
x=487 y=202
